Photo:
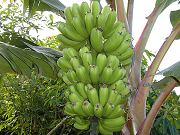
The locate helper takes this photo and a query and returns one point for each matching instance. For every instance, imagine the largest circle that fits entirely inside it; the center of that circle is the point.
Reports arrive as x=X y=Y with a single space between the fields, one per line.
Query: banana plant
x=76 y=49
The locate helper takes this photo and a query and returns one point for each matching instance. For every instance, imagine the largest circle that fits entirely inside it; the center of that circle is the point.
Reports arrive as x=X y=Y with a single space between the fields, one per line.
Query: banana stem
x=93 y=128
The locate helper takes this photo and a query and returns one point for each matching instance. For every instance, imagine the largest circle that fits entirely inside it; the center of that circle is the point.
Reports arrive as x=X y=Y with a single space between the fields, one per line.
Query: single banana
x=87 y=60
x=117 y=27
x=71 y=33
x=93 y=97
x=72 y=76
x=80 y=87
x=80 y=27
x=117 y=112
x=126 y=62
x=104 y=131
x=61 y=27
x=112 y=43
x=73 y=97
x=66 y=80
x=80 y=120
x=88 y=108
x=111 y=19
x=89 y=22
x=113 y=61
x=95 y=9
x=106 y=75
x=125 y=91
x=68 y=15
x=63 y=64
x=94 y=74
x=82 y=126
x=103 y=95
x=121 y=49
x=84 y=9
x=77 y=108
x=76 y=11
x=118 y=74
x=83 y=50
x=126 y=55
x=68 y=53
x=101 y=62
x=98 y=110
x=112 y=96
x=120 y=100
x=68 y=42
x=68 y=109
x=106 y=10
x=96 y=39
x=113 y=123
x=108 y=108
x=75 y=63
x=83 y=74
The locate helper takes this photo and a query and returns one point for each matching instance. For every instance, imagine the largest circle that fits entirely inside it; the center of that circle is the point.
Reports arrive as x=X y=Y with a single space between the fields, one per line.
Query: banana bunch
x=97 y=29
x=85 y=102
x=96 y=50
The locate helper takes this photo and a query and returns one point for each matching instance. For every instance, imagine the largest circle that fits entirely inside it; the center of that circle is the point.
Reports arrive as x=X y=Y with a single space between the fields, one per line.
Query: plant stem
x=121 y=13
x=93 y=128
x=139 y=101
x=141 y=44
x=130 y=14
x=57 y=126
x=148 y=123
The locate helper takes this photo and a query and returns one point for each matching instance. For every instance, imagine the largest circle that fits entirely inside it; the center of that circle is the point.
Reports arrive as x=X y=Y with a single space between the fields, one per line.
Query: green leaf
x=164 y=3
x=175 y=19
x=172 y=71
x=23 y=61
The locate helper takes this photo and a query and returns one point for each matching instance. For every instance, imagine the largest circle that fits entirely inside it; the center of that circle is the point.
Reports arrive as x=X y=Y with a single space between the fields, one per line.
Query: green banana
x=111 y=19
x=68 y=15
x=117 y=27
x=75 y=63
x=117 y=112
x=83 y=74
x=106 y=75
x=112 y=96
x=61 y=27
x=73 y=97
x=108 y=108
x=122 y=48
x=112 y=43
x=68 y=53
x=84 y=9
x=104 y=131
x=80 y=27
x=96 y=39
x=76 y=11
x=68 y=109
x=68 y=42
x=71 y=33
x=127 y=54
x=80 y=87
x=102 y=18
x=94 y=74
x=113 y=61
x=83 y=50
x=103 y=95
x=120 y=99
x=125 y=91
x=98 y=110
x=89 y=22
x=87 y=60
x=113 y=123
x=66 y=80
x=84 y=126
x=77 y=108
x=95 y=8
x=63 y=64
x=101 y=62
x=126 y=62
x=72 y=76
x=93 y=97
x=117 y=74
x=88 y=108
